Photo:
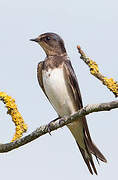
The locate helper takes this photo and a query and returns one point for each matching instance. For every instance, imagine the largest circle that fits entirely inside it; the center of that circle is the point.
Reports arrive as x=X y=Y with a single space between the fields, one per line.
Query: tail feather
x=80 y=131
x=95 y=151
x=88 y=160
x=92 y=147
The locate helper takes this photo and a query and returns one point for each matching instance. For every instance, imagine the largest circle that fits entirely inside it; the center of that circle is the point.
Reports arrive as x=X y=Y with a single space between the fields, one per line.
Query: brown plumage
x=57 y=71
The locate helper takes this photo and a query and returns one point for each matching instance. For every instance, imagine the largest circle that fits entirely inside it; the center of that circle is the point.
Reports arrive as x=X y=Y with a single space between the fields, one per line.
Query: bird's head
x=51 y=43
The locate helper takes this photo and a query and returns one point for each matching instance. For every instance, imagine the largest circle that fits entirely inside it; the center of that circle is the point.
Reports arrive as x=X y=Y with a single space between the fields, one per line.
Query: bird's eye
x=47 y=38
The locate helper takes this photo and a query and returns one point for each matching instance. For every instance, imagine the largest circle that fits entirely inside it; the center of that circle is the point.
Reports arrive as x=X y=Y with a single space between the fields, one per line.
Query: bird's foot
x=49 y=125
x=61 y=121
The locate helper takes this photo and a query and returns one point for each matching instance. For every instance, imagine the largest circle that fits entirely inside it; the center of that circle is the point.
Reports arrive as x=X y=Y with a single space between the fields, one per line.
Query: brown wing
x=39 y=75
x=73 y=83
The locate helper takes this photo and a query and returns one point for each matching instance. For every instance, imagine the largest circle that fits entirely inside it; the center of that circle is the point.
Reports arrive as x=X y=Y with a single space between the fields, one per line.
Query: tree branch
x=111 y=84
x=17 y=118
x=58 y=124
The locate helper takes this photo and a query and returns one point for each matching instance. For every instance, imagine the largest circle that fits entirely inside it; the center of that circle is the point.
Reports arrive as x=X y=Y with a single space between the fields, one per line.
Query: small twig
x=56 y=124
x=110 y=83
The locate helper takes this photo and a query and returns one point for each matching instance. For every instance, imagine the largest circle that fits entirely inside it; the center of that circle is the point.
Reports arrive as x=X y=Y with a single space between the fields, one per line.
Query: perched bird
x=59 y=83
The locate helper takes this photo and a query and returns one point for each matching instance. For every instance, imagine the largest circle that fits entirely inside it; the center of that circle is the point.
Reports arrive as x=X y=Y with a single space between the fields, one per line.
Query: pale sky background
x=91 y=24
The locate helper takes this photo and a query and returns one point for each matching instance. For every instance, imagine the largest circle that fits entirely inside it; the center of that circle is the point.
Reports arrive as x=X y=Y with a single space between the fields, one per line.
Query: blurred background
x=94 y=26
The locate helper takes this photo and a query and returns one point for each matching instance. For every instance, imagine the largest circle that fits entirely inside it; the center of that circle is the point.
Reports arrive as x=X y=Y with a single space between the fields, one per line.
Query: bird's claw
x=48 y=127
x=61 y=121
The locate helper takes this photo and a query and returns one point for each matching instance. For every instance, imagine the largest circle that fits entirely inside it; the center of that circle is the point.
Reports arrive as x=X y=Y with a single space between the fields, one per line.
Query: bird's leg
x=49 y=125
x=62 y=120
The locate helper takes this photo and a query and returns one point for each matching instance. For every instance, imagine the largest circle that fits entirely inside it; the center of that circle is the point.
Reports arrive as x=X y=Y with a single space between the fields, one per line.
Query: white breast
x=57 y=92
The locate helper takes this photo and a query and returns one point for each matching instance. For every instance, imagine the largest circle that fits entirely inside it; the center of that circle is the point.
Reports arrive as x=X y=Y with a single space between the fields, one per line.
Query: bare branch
x=58 y=124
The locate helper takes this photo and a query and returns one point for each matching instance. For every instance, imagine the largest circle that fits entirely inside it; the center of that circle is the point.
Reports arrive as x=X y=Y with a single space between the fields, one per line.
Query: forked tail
x=85 y=144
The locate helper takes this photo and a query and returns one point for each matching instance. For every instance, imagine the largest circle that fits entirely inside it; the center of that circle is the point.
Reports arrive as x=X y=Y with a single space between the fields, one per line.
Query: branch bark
x=58 y=124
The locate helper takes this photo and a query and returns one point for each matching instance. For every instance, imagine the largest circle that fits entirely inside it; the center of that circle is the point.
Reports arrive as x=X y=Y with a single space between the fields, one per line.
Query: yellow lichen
x=21 y=127
x=112 y=85
x=93 y=67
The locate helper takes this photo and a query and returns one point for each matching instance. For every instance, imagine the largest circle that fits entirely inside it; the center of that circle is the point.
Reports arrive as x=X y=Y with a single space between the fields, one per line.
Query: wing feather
x=73 y=84
x=39 y=76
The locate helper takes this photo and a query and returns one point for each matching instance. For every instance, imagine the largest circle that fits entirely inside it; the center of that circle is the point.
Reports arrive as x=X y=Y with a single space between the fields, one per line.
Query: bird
x=59 y=83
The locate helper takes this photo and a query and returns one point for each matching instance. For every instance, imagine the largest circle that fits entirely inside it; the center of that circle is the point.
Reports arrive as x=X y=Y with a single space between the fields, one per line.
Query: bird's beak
x=36 y=40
